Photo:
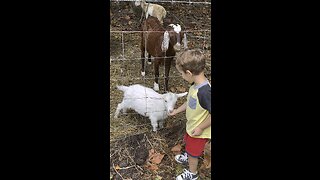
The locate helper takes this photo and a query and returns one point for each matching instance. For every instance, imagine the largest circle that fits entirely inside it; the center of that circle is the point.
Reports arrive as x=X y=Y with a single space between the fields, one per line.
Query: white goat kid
x=148 y=103
x=154 y=10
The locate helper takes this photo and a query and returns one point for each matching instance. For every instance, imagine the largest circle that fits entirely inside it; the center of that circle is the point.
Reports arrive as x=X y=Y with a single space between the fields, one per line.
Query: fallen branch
x=126 y=167
x=117 y=171
x=148 y=141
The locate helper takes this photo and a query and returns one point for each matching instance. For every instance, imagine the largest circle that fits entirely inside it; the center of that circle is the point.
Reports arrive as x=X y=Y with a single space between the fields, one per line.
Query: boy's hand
x=174 y=112
x=197 y=131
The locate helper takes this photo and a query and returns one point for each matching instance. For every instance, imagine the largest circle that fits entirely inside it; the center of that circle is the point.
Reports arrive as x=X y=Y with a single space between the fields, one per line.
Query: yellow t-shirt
x=198 y=108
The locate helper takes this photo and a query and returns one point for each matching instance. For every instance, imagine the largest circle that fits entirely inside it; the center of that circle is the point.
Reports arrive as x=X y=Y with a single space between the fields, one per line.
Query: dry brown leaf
x=152 y=167
x=157 y=158
x=176 y=152
x=207 y=162
x=151 y=153
x=176 y=148
x=117 y=167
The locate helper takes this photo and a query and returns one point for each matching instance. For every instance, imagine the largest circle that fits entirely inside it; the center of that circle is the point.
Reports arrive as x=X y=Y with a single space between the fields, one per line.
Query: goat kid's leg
x=154 y=123
x=119 y=107
x=167 y=66
x=156 y=74
x=161 y=124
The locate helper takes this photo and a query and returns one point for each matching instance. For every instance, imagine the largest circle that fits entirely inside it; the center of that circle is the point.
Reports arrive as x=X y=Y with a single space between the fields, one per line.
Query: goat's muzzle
x=177 y=47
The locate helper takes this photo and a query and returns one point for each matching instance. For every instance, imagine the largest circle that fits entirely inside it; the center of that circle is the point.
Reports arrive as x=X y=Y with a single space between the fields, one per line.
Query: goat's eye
x=165 y=101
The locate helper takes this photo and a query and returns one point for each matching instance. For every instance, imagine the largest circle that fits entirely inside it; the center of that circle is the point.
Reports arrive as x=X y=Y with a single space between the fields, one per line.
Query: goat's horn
x=172 y=25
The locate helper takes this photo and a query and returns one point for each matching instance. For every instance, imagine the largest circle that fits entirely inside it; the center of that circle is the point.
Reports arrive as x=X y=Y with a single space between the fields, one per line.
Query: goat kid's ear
x=182 y=94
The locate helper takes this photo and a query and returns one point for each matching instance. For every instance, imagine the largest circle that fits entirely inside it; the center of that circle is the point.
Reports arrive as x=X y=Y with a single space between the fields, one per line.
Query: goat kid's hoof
x=156 y=87
x=143 y=73
x=115 y=116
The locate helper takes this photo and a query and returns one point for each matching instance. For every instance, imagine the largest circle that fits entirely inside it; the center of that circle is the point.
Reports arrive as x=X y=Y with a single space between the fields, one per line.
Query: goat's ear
x=185 y=41
x=165 y=42
x=182 y=94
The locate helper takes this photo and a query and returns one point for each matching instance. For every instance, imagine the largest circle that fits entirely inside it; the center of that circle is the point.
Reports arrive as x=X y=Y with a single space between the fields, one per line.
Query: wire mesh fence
x=125 y=53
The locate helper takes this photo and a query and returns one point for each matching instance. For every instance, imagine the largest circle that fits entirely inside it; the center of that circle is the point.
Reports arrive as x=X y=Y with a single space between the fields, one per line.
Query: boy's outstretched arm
x=202 y=126
x=183 y=107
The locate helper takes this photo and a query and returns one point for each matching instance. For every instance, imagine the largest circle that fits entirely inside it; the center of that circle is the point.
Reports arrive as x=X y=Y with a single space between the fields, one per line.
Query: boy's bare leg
x=193 y=164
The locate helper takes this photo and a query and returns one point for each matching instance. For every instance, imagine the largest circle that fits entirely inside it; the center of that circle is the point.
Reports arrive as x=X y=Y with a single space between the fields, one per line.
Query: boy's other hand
x=197 y=131
x=172 y=113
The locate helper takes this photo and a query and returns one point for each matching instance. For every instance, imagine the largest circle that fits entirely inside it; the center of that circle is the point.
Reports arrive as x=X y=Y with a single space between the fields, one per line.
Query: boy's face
x=186 y=76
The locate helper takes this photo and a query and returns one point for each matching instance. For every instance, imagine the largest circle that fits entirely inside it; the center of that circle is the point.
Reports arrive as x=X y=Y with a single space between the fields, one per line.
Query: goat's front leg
x=119 y=107
x=149 y=58
x=143 y=73
x=167 y=62
x=156 y=74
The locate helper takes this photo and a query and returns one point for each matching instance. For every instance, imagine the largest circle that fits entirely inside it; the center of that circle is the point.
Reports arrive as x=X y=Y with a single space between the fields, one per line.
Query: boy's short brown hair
x=192 y=60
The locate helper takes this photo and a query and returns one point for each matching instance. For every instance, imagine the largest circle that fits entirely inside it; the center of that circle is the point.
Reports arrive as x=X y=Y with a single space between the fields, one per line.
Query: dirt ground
x=131 y=136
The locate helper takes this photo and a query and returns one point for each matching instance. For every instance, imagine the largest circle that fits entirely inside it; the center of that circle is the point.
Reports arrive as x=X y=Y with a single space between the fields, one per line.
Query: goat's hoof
x=143 y=73
x=149 y=62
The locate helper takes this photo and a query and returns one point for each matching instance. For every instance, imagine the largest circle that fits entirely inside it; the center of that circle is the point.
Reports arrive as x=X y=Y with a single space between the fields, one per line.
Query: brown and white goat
x=160 y=43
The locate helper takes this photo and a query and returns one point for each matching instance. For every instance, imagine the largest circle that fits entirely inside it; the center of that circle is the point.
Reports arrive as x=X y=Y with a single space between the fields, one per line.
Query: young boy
x=191 y=65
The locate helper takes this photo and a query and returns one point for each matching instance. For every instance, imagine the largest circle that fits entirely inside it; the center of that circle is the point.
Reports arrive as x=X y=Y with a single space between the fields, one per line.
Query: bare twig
x=140 y=168
x=149 y=141
x=127 y=167
x=117 y=171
